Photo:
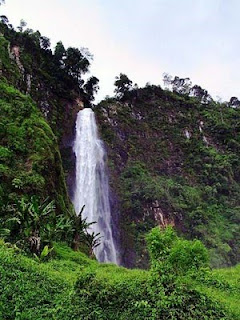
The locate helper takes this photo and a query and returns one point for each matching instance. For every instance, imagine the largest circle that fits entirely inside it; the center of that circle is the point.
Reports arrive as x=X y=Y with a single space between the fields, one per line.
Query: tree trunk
x=35 y=242
x=76 y=241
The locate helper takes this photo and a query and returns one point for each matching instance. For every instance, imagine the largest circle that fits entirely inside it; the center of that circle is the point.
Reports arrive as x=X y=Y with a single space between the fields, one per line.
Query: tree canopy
x=123 y=84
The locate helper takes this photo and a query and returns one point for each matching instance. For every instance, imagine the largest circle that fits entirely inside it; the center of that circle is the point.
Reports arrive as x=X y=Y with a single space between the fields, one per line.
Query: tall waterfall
x=92 y=189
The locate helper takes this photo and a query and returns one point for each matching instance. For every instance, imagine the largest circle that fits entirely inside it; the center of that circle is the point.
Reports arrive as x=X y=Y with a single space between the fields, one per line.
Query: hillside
x=53 y=79
x=30 y=158
x=71 y=286
x=173 y=160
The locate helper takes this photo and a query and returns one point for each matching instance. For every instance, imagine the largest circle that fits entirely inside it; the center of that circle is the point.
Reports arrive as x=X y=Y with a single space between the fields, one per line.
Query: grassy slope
x=33 y=290
x=227 y=293
x=71 y=286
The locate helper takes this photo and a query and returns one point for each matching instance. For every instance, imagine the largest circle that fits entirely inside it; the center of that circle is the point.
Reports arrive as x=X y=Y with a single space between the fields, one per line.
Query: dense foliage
x=37 y=120
x=53 y=79
x=174 y=158
x=29 y=153
x=71 y=286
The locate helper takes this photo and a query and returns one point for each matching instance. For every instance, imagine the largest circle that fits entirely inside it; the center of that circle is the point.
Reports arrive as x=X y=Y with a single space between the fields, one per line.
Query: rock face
x=37 y=73
x=171 y=161
x=26 y=66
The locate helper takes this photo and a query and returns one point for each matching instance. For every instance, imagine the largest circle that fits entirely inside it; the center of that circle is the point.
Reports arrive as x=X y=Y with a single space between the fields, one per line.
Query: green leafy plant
x=44 y=254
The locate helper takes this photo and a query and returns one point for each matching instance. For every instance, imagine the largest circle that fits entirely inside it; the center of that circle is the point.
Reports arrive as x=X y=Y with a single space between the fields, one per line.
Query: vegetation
x=123 y=84
x=29 y=154
x=71 y=286
x=35 y=209
x=178 y=162
x=53 y=79
x=32 y=181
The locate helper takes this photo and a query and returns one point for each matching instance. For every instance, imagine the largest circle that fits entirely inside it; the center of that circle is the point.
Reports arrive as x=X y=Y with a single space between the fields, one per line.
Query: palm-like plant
x=37 y=212
x=93 y=241
x=82 y=234
x=29 y=218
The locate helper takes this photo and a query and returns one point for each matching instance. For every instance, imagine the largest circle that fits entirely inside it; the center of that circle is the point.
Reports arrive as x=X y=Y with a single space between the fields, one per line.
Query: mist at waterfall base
x=92 y=189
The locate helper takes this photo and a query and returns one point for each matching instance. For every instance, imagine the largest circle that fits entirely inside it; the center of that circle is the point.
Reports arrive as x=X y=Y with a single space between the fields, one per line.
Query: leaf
x=14 y=220
x=81 y=211
x=36 y=257
x=4 y=232
x=45 y=252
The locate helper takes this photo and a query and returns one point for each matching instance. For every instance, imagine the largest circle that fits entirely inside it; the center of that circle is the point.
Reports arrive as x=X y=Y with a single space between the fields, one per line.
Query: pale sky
x=145 y=38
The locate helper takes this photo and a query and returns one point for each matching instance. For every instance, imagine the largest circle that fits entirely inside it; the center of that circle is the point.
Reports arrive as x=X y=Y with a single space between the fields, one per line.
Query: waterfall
x=92 y=189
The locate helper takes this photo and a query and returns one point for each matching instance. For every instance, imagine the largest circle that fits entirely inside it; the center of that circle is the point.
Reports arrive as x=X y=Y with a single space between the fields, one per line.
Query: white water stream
x=92 y=189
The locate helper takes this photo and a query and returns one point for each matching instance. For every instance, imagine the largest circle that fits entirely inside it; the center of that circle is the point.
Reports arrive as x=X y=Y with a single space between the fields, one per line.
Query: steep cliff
x=29 y=154
x=43 y=126
x=173 y=160
x=53 y=79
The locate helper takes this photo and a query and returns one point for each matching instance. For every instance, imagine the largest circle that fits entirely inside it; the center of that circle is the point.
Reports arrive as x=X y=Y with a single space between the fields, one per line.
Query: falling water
x=92 y=188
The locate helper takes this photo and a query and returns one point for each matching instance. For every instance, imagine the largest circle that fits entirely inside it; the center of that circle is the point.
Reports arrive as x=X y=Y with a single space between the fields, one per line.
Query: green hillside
x=174 y=159
x=71 y=286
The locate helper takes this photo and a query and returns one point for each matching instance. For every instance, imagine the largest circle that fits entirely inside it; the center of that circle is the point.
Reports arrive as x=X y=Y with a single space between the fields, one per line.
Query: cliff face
x=173 y=160
x=30 y=158
x=28 y=70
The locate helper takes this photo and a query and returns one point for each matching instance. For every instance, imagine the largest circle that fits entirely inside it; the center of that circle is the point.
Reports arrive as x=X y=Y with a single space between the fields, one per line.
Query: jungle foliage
x=177 y=162
x=72 y=286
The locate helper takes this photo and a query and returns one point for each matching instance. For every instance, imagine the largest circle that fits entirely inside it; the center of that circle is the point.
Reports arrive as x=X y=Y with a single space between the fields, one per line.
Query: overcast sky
x=145 y=38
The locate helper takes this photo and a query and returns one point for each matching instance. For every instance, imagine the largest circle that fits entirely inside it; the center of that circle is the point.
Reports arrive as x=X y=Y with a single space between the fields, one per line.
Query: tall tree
x=4 y=19
x=59 y=52
x=179 y=85
x=123 y=85
x=91 y=87
x=76 y=63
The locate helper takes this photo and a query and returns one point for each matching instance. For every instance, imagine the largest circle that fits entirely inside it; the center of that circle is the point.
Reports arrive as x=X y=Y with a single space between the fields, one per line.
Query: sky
x=198 y=39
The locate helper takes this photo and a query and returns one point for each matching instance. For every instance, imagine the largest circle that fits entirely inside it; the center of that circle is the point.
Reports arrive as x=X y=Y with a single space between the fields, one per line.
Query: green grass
x=72 y=286
x=227 y=289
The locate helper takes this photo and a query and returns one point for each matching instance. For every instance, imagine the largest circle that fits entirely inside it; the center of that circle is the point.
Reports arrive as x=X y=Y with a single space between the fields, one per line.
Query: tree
x=60 y=52
x=30 y=217
x=23 y=24
x=4 y=20
x=234 y=102
x=81 y=233
x=91 y=87
x=93 y=241
x=200 y=93
x=44 y=42
x=167 y=80
x=179 y=85
x=168 y=252
x=76 y=63
x=86 y=53
x=123 y=85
